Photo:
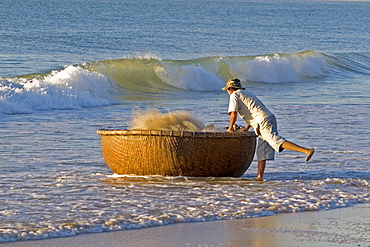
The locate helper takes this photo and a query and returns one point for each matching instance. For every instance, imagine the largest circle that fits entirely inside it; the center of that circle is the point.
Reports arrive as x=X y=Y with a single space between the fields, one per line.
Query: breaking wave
x=97 y=83
x=70 y=88
x=209 y=73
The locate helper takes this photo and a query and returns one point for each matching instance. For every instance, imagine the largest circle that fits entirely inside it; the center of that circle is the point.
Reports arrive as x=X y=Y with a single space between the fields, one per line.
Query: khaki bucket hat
x=233 y=83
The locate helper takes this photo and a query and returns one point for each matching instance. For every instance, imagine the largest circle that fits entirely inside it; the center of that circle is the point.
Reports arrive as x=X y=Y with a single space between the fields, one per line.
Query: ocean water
x=68 y=68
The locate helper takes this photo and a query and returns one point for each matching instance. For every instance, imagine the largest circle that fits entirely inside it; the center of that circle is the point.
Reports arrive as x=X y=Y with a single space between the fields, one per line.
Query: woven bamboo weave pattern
x=178 y=153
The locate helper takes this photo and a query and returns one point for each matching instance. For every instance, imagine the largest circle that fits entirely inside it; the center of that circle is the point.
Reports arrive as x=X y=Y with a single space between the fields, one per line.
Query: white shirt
x=249 y=107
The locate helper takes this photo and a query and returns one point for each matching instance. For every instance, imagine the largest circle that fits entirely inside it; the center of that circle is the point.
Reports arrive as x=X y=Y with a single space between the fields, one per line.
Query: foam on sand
x=340 y=227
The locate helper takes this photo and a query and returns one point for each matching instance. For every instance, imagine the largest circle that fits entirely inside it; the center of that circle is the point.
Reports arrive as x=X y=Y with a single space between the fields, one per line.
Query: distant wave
x=349 y=62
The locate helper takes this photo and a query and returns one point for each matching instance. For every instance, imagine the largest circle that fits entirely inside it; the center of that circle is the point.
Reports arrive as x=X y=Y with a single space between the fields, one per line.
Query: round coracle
x=178 y=153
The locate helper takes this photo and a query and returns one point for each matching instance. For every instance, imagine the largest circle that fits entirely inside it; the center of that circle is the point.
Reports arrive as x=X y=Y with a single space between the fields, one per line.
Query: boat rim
x=174 y=133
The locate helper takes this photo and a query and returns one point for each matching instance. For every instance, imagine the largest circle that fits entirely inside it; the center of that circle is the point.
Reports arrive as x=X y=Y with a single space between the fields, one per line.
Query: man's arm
x=233 y=117
x=246 y=128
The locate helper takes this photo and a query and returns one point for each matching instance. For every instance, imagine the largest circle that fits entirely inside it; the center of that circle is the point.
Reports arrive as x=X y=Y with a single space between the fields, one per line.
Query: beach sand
x=338 y=227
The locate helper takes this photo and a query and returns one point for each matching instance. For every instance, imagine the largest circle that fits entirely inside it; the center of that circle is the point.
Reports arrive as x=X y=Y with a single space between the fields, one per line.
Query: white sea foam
x=194 y=78
x=70 y=88
x=277 y=69
x=272 y=70
x=269 y=69
x=170 y=200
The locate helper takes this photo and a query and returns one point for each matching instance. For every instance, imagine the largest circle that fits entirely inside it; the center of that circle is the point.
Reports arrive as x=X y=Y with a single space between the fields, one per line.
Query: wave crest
x=209 y=74
x=70 y=88
x=95 y=83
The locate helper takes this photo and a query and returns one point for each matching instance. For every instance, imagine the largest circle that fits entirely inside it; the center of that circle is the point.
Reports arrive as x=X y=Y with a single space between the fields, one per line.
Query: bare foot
x=309 y=154
x=258 y=179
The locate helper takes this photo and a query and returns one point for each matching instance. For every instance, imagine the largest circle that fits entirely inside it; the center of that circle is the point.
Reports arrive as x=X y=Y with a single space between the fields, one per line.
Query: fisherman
x=257 y=116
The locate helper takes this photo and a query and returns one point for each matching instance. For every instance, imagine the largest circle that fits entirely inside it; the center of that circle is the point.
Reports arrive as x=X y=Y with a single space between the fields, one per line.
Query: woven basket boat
x=178 y=153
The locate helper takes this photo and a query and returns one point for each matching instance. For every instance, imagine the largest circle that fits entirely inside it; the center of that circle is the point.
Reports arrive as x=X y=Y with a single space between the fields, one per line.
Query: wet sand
x=338 y=227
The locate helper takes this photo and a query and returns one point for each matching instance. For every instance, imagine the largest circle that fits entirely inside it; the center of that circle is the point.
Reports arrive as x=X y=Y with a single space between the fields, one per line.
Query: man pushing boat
x=264 y=123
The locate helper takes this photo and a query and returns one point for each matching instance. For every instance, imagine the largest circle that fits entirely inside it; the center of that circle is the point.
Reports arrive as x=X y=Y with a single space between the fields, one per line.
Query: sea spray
x=70 y=88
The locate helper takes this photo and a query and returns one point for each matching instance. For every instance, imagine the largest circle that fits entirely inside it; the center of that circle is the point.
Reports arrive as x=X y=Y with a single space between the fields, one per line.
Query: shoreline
x=337 y=227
